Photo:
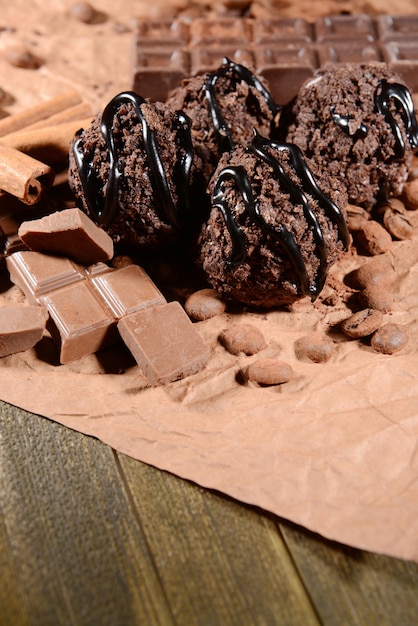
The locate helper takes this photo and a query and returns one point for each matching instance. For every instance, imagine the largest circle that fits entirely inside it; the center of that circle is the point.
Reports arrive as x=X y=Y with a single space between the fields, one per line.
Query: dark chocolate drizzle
x=343 y=121
x=402 y=99
x=103 y=208
x=263 y=148
x=223 y=131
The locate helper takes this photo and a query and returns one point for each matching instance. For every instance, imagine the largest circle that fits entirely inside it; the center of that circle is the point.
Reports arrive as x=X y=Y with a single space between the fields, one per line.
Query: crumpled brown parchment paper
x=334 y=450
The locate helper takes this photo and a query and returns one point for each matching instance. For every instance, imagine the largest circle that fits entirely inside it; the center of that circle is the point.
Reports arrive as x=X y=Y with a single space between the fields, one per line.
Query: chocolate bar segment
x=21 y=327
x=285 y=51
x=126 y=290
x=86 y=304
x=81 y=324
x=345 y=27
x=69 y=233
x=37 y=274
x=164 y=342
x=403 y=59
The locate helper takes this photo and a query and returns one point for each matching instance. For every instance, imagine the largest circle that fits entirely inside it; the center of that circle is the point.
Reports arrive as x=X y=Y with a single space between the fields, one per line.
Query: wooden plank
x=72 y=549
x=220 y=562
x=90 y=537
x=353 y=587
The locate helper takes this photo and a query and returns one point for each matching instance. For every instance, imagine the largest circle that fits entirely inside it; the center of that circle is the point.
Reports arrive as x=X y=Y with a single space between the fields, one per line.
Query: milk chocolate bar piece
x=285 y=51
x=21 y=327
x=84 y=303
x=69 y=233
x=164 y=342
x=37 y=274
x=87 y=305
x=126 y=290
x=9 y=240
x=81 y=323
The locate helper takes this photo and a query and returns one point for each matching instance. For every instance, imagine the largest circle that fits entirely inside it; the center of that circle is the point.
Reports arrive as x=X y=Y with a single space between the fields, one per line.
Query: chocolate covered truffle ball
x=134 y=172
x=224 y=107
x=357 y=122
x=274 y=228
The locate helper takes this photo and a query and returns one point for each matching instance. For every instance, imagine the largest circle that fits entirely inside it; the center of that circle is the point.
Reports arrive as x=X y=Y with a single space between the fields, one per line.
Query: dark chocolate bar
x=285 y=51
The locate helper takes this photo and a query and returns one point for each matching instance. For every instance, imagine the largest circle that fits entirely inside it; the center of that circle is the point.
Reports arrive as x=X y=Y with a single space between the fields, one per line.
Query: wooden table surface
x=89 y=536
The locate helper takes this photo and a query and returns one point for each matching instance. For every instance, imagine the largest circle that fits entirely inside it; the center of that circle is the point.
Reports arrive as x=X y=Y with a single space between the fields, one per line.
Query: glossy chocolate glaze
x=402 y=100
x=103 y=208
x=343 y=121
x=264 y=149
x=223 y=131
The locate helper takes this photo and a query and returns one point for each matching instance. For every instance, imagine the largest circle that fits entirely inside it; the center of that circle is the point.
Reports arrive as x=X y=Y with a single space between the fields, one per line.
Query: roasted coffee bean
x=18 y=56
x=316 y=347
x=242 y=338
x=204 y=304
x=397 y=222
x=389 y=339
x=362 y=324
x=376 y=297
x=269 y=372
x=373 y=273
x=356 y=217
x=373 y=239
x=410 y=194
x=84 y=12
x=413 y=170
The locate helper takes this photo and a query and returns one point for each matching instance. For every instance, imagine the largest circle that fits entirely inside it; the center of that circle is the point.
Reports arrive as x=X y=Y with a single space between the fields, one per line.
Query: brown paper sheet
x=334 y=450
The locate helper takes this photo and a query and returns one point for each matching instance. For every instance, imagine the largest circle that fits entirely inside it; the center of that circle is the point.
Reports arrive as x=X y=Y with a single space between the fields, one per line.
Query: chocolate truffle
x=225 y=106
x=134 y=172
x=357 y=122
x=274 y=229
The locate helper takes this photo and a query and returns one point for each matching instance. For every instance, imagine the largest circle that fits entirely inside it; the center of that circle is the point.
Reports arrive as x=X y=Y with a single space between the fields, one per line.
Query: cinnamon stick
x=71 y=114
x=41 y=111
x=50 y=144
x=22 y=176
